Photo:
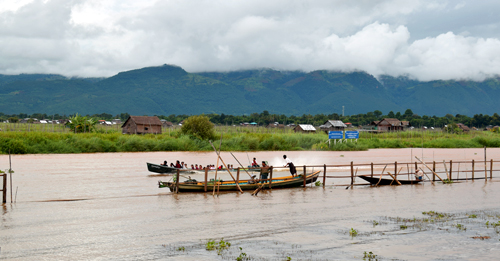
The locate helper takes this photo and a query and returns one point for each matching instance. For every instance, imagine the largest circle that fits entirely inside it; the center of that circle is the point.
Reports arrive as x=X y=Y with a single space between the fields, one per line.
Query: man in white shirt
x=289 y=163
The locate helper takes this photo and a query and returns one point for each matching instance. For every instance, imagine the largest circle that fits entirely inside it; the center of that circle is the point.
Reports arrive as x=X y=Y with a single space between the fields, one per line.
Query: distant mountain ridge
x=167 y=89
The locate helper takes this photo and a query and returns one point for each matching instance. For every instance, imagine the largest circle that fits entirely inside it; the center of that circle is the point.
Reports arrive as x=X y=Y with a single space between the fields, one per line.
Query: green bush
x=198 y=126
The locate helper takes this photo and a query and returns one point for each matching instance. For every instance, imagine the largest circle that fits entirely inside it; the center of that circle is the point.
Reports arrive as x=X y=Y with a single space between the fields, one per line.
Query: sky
x=420 y=39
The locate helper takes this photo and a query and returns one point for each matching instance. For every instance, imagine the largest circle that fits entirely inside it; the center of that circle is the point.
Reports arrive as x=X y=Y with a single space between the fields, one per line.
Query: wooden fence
x=448 y=171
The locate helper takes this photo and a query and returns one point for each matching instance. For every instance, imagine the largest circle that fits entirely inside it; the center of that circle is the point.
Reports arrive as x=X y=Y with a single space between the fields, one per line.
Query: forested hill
x=166 y=90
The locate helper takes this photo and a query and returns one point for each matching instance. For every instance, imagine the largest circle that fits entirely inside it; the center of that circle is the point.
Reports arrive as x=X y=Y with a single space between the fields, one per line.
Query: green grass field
x=38 y=138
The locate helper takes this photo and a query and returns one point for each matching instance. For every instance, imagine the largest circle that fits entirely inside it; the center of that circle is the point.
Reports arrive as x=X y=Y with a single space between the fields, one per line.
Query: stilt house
x=142 y=125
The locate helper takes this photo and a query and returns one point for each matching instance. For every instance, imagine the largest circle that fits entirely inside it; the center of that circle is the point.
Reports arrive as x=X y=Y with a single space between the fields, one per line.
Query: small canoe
x=279 y=182
x=385 y=181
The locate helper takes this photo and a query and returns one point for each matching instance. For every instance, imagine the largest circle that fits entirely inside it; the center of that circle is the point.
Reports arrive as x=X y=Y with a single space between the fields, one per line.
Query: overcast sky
x=423 y=39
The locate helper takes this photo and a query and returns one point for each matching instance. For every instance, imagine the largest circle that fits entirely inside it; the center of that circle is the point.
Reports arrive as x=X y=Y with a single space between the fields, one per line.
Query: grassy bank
x=35 y=142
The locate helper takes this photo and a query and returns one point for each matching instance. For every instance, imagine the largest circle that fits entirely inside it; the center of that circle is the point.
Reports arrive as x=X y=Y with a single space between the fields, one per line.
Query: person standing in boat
x=264 y=172
x=289 y=164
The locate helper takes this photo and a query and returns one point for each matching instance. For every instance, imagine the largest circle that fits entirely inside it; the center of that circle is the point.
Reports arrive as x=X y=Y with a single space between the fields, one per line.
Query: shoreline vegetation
x=59 y=140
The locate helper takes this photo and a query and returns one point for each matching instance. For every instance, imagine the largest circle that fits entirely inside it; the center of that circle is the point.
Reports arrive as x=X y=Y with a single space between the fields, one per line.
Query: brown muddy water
x=109 y=207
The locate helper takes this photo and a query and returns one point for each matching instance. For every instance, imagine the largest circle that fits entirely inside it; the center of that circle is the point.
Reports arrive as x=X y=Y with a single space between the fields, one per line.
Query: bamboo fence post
x=491 y=169
x=270 y=176
x=4 y=188
x=177 y=182
x=446 y=169
x=324 y=173
x=206 y=179
x=304 y=175
x=396 y=168
x=352 y=173
x=473 y=169
x=451 y=169
x=381 y=176
x=485 y=168
x=10 y=174
x=433 y=170
x=371 y=167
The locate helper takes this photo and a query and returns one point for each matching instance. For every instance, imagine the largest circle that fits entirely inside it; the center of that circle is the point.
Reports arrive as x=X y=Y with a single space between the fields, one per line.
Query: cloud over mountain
x=423 y=39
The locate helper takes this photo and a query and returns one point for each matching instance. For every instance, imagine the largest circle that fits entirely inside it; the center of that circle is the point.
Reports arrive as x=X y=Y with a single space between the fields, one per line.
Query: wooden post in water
x=352 y=173
x=451 y=169
x=472 y=169
x=485 y=168
x=206 y=179
x=4 y=188
x=491 y=169
x=238 y=175
x=434 y=170
x=396 y=169
x=177 y=182
x=371 y=166
x=324 y=173
x=270 y=176
x=304 y=175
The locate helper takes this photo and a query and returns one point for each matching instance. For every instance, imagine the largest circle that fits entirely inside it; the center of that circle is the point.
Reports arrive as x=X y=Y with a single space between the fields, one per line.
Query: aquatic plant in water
x=353 y=232
x=369 y=256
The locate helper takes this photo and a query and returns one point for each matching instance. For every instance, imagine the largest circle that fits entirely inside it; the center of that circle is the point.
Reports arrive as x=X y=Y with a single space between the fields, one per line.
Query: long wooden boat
x=388 y=181
x=160 y=168
x=279 y=182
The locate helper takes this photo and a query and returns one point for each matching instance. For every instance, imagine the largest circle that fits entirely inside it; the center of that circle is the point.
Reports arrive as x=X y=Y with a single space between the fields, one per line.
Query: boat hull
x=383 y=181
x=281 y=182
x=160 y=168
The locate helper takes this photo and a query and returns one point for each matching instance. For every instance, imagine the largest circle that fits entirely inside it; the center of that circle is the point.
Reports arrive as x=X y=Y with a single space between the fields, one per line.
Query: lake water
x=109 y=207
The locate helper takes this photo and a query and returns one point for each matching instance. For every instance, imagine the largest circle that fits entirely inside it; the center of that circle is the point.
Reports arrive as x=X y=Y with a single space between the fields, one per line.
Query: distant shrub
x=198 y=126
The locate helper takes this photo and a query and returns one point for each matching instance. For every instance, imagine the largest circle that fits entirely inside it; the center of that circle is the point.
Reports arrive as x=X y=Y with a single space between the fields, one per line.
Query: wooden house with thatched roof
x=333 y=125
x=142 y=125
x=388 y=124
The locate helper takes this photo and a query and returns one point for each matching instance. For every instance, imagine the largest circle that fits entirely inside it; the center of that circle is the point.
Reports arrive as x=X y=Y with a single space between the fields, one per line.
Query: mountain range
x=168 y=89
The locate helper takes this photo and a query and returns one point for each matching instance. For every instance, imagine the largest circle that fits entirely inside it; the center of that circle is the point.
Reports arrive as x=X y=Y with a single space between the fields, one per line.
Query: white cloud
x=101 y=38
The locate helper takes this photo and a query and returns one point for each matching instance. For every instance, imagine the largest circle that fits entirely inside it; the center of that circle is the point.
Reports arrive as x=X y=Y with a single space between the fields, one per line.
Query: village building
x=304 y=128
x=116 y=121
x=463 y=127
x=276 y=125
x=166 y=124
x=142 y=125
x=333 y=125
x=388 y=124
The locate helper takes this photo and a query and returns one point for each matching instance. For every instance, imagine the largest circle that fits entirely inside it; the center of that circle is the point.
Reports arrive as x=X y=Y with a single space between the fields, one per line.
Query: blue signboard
x=352 y=135
x=335 y=135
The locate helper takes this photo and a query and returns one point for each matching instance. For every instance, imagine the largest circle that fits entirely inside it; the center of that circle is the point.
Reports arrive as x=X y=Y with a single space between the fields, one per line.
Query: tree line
x=264 y=118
